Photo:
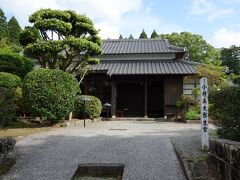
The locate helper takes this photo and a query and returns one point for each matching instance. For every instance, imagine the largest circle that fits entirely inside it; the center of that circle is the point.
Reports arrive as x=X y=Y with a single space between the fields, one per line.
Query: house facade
x=139 y=77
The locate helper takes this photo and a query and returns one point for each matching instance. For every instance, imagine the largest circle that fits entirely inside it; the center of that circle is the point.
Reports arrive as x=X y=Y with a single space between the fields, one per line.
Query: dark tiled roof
x=138 y=46
x=136 y=67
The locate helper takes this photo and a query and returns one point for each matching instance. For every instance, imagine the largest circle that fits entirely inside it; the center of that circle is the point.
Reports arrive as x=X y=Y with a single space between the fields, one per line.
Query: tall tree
x=199 y=50
x=62 y=40
x=154 y=34
x=143 y=35
x=14 y=30
x=231 y=57
x=3 y=24
x=131 y=36
x=120 y=37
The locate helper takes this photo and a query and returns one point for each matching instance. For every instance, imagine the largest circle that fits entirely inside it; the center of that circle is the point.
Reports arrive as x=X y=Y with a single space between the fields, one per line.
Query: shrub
x=192 y=115
x=93 y=107
x=236 y=80
x=7 y=106
x=15 y=63
x=50 y=94
x=13 y=83
x=9 y=80
x=225 y=110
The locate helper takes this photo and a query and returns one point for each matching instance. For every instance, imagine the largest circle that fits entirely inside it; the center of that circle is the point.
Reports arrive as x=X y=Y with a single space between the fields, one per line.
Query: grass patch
x=197 y=159
x=19 y=129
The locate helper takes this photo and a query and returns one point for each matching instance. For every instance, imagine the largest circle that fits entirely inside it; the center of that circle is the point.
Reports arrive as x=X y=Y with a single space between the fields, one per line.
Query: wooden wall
x=173 y=89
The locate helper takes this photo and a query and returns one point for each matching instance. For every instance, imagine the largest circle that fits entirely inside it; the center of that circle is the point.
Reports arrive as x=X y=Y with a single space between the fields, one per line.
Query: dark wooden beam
x=114 y=98
x=145 y=98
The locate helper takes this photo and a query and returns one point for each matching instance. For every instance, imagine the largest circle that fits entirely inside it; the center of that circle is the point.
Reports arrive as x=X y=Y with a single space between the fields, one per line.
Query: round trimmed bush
x=225 y=111
x=50 y=93
x=93 y=107
x=9 y=80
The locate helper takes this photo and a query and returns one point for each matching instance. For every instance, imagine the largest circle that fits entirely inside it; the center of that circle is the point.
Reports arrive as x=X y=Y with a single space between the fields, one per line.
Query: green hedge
x=50 y=94
x=93 y=107
x=9 y=80
x=7 y=106
x=225 y=111
x=15 y=63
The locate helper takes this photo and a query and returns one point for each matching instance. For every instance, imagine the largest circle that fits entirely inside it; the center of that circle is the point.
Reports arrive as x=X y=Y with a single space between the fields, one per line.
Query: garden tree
x=154 y=34
x=215 y=74
x=199 y=50
x=131 y=36
x=231 y=58
x=62 y=40
x=120 y=37
x=3 y=24
x=14 y=30
x=14 y=63
x=143 y=35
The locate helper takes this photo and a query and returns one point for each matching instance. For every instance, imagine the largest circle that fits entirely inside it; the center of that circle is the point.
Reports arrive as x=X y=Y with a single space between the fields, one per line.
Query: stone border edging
x=184 y=163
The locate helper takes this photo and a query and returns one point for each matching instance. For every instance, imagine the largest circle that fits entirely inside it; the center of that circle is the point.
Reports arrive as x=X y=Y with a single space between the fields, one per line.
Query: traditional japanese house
x=139 y=77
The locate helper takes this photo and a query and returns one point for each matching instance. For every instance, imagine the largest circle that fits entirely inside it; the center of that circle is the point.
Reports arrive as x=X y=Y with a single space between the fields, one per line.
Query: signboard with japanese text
x=204 y=113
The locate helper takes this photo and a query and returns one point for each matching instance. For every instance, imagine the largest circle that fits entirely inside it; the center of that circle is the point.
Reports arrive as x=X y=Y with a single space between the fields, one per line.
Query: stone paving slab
x=144 y=148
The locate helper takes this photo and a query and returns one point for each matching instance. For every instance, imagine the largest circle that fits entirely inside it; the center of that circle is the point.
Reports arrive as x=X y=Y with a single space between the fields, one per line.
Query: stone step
x=133 y=119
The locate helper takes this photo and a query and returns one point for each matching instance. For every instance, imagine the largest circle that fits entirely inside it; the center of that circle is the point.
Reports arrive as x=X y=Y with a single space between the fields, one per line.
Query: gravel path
x=144 y=148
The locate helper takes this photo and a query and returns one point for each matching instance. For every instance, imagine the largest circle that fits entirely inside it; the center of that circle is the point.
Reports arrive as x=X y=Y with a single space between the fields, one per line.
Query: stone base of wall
x=7 y=155
x=224 y=158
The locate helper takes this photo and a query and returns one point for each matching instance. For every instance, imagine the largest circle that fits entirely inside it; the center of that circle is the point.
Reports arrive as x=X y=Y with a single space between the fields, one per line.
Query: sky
x=218 y=21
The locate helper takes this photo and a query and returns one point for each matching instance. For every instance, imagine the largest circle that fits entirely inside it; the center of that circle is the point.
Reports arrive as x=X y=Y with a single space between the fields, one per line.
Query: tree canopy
x=3 y=24
x=143 y=35
x=14 y=30
x=154 y=34
x=61 y=40
x=131 y=36
x=120 y=37
x=199 y=49
x=231 y=58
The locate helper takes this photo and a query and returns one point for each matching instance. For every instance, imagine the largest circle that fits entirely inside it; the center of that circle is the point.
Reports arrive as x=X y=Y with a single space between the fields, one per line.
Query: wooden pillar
x=114 y=98
x=145 y=98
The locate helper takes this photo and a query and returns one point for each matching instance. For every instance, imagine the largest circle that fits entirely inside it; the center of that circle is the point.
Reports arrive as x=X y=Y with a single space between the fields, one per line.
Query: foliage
x=14 y=63
x=185 y=101
x=7 y=106
x=236 y=80
x=231 y=58
x=5 y=45
x=9 y=80
x=61 y=39
x=154 y=34
x=14 y=30
x=143 y=35
x=189 y=105
x=199 y=50
x=226 y=108
x=215 y=75
x=120 y=37
x=3 y=24
x=192 y=115
x=131 y=37
x=93 y=107
x=50 y=94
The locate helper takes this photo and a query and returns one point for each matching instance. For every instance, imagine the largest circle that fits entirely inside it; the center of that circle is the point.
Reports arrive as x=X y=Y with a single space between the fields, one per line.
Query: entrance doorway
x=155 y=99
x=130 y=99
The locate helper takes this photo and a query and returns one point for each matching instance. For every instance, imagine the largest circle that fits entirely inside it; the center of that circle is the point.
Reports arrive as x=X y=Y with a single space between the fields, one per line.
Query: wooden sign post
x=204 y=113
